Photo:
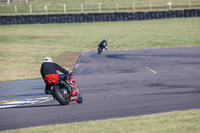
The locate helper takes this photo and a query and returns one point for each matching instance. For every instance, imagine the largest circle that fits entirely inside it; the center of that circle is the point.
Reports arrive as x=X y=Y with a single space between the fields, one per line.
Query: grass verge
x=23 y=47
x=171 y=122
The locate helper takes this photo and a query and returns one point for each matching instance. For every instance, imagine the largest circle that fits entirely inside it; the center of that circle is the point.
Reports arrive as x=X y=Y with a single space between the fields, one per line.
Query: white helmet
x=47 y=59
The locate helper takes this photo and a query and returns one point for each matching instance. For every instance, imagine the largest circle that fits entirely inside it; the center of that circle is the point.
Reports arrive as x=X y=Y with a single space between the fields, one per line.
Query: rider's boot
x=47 y=91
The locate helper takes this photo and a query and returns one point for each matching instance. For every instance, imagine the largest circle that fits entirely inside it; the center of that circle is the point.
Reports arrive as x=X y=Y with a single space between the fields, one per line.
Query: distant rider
x=49 y=73
x=103 y=44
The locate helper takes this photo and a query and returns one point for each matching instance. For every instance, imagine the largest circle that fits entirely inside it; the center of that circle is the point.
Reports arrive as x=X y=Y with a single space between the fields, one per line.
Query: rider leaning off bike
x=103 y=44
x=49 y=74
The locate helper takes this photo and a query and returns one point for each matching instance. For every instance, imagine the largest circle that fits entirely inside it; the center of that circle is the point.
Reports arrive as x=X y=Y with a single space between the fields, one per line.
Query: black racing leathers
x=51 y=68
x=103 y=44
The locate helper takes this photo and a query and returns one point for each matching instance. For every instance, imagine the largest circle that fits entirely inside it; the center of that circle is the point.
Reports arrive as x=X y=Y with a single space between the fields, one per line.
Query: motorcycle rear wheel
x=62 y=98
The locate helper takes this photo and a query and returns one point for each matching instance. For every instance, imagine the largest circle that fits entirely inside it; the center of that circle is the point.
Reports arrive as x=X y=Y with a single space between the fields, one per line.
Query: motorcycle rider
x=103 y=44
x=49 y=73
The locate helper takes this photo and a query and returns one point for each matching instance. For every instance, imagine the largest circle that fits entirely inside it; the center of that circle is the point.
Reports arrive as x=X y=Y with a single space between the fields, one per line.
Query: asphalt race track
x=120 y=84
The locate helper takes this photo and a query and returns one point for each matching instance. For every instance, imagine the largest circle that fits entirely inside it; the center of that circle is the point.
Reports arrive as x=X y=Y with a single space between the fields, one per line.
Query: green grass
x=23 y=47
x=172 y=122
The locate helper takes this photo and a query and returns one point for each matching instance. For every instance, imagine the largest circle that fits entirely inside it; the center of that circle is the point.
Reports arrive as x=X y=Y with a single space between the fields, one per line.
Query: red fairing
x=51 y=78
x=74 y=92
x=72 y=81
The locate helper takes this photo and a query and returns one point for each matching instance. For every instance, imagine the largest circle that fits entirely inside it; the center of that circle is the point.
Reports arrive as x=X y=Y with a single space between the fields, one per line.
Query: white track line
x=154 y=72
x=24 y=102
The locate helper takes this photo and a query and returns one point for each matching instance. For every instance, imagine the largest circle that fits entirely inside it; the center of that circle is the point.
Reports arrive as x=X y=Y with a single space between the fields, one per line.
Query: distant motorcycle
x=102 y=46
x=65 y=93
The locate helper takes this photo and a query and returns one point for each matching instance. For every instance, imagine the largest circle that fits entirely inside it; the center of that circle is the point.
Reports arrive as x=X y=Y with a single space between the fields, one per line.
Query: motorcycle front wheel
x=80 y=99
x=99 y=50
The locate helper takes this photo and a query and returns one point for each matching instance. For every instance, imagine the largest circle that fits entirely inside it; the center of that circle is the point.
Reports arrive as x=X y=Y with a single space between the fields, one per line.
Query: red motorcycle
x=65 y=93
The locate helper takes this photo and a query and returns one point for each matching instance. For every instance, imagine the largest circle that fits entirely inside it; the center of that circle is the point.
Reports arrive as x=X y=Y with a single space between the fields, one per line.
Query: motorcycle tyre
x=80 y=99
x=58 y=95
x=99 y=50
